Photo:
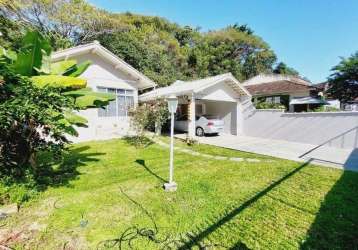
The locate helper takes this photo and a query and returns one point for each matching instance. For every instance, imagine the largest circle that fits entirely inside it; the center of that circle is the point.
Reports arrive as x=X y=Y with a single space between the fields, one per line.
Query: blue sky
x=308 y=35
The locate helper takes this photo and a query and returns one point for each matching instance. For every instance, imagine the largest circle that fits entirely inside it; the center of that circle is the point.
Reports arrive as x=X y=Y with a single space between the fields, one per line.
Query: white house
x=293 y=92
x=107 y=73
x=220 y=95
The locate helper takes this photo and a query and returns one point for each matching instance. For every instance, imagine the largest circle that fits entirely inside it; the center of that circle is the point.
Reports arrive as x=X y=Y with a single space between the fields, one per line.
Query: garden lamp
x=172 y=107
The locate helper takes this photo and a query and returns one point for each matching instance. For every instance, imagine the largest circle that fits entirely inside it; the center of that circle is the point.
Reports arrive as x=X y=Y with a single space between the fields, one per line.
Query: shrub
x=37 y=103
x=326 y=109
x=266 y=105
x=31 y=120
x=149 y=115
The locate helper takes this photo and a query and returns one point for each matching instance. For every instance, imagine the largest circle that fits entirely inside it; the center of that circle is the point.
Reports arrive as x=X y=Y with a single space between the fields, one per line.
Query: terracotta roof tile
x=277 y=87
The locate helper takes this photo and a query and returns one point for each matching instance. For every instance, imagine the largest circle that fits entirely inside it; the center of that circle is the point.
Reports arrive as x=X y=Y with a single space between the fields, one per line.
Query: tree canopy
x=162 y=50
x=166 y=52
x=283 y=69
x=343 y=82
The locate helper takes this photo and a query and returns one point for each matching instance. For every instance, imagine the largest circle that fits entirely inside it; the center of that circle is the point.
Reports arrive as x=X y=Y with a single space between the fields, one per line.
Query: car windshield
x=211 y=116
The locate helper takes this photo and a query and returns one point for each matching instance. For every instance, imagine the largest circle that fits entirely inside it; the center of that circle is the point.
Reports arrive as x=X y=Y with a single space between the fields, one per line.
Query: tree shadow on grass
x=142 y=163
x=239 y=246
x=336 y=224
x=138 y=141
x=202 y=234
x=52 y=173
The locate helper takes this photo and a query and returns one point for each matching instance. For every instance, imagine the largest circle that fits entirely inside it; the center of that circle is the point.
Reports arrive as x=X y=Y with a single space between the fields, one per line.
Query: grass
x=216 y=151
x=111 y=196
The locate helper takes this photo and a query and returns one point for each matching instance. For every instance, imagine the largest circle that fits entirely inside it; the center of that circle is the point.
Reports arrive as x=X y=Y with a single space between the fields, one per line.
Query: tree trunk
x=158 y=128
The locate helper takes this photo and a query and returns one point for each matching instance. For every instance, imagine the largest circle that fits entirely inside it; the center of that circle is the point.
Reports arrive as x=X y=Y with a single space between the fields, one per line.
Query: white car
x=204 y=124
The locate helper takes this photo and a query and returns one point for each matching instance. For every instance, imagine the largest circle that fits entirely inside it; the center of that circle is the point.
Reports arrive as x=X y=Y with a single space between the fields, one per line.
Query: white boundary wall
x=335 y=129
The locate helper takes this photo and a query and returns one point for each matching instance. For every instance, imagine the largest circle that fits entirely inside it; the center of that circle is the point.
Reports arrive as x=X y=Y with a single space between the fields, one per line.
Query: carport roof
x=188 y=87
x=307 y=100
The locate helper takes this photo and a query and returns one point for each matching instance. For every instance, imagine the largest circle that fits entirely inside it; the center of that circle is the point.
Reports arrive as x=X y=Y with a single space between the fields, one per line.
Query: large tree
x=231 y=50
x=343 y=82
x=155 y=52
x=74 y=19
x=162 y=50
x=282 y=69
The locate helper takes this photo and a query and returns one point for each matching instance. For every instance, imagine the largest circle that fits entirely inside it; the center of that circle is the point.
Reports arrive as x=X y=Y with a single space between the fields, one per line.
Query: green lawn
x=109 y=195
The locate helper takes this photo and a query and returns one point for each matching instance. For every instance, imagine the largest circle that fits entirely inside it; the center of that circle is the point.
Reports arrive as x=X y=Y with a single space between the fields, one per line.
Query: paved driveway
x=327 y=156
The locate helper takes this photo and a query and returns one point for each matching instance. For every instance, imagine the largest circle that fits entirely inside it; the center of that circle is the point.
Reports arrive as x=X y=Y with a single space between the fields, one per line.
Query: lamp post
x=172 y=107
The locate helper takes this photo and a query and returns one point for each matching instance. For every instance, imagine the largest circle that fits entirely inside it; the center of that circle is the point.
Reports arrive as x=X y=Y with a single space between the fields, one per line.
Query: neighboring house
x=295 y=93
x=222 y=96
x=107 y=73
x=322 y=87
x=351 y=105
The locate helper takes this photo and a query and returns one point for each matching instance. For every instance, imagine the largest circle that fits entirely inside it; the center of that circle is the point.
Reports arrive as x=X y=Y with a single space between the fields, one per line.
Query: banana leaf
x=75 y=119
x=77 y=69
x=59 y=68
x=9 y=54
x=57 y=81
x=68 y=127
x=86 y=98
x=34 y=47
x=45 y=66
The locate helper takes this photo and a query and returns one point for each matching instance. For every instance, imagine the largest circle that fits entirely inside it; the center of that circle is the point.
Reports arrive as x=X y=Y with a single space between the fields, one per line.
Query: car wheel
x=200 y=131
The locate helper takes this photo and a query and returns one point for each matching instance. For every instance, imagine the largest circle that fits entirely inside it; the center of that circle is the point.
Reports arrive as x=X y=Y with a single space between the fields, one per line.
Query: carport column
x=240 y=109
x=191 y=123
x=239 y=119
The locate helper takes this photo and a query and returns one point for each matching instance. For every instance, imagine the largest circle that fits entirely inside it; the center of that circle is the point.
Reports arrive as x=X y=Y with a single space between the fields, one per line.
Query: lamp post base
x=170 y=187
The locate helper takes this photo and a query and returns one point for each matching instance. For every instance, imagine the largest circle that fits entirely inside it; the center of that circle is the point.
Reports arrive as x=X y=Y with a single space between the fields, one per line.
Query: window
x=119 y=107
x=269 y=99
x=277 y=99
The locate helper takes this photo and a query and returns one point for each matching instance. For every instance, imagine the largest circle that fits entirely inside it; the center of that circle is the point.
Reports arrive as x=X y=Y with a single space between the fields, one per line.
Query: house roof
x=188 y=87
x=96 y=48
x=266 y=78
x=278 y=87
x=355 y=100
x=323 y=86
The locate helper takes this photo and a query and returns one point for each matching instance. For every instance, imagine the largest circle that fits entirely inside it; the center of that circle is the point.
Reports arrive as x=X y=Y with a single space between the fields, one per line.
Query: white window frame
x=127 y=93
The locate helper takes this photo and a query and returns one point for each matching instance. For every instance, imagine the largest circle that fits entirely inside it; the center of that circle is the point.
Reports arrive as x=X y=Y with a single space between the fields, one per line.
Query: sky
x=308 y=35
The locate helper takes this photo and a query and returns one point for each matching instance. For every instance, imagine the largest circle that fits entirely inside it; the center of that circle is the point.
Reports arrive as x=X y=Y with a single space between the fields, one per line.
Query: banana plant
x=33 y=60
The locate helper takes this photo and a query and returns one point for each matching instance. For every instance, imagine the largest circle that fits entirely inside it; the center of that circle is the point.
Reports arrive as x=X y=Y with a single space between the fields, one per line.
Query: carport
x=220 y=95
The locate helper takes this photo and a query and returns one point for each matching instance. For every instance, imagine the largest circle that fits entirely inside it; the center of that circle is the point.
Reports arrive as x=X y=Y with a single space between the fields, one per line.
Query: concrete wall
x=336 y=129
x=102 y=74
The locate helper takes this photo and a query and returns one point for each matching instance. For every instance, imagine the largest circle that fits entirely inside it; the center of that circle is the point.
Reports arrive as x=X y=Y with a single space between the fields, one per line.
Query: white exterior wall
x=226 y=111
x=219 y=92
x=191 y=109
x=221 y=101
x=102 y=74
x=313 y=128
